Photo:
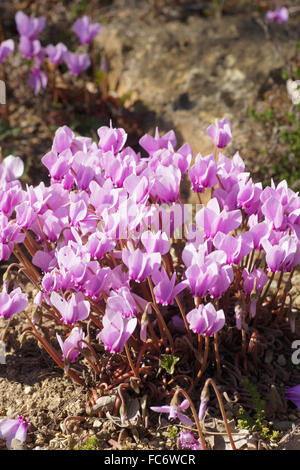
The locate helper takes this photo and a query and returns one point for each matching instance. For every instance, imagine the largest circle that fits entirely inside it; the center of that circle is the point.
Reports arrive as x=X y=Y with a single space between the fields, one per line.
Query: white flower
x=293 y=88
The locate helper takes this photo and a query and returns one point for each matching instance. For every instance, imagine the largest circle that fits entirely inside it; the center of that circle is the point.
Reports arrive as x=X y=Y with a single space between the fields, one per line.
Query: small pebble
x=97 y=423
x=10 y=412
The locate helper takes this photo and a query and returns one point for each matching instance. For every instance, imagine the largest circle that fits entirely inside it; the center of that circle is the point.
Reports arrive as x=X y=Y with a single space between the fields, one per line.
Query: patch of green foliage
x=85 y=125
x=173 y=433
x=261 y=117
x=92 y=443
x=168 y=362
x=284 y=165
x=258 y=422
x=287 y=166
x=7 y=131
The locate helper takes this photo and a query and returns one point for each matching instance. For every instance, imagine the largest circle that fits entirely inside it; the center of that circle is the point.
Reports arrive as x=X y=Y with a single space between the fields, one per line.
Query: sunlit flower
x=14 y=429
x=279 y=15
x=174 y=411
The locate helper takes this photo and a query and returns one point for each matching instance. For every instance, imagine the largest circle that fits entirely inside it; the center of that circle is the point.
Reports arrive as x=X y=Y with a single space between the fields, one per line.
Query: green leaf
x=99 y=77
x=168 y=362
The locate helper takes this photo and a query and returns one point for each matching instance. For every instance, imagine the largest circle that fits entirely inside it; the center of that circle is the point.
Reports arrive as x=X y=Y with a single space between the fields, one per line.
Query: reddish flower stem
x=195 y=415
x=51 y=351
x=221 y=405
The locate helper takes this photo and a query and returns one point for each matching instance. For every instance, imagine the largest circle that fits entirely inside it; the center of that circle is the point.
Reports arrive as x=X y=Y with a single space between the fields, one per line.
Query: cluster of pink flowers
x=29 y=28
x=97 y=232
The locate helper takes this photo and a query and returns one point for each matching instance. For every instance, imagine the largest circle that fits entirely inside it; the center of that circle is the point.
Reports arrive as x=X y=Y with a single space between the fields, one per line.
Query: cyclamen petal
x=116 y=331
x=13 y=302
x=257 y=278
x=151 y=144
x=203 y=174
x=6 y=48
x=188 y=441
x=13 y=167
x=71 y=342
x=205 y=320
x=76 y=309
x=77 y=63
x=111 y=139
x=29 y=26
x=155 y=242
x=293 y=394
x=212 y=220
x=14 y=429
x=85 y=30
x=56 y=53
x=279 y=15
x=30 y=48
x=37 y=80
x=140 y=265
x=221 y=133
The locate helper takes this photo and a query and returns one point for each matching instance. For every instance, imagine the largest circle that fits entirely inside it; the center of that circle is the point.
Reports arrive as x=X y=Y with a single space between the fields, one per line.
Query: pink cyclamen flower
x=29 y=26
x=180 y=158
x=56 y=53
x=221 y=133
x=73 y=341
x=166 y=184
x=293 y=394
x=76 y=309
x=165 y=289
x=152 y=144
x=257 y=279
x=212 y=220
x=273 y=210
x=13 y=302
x=85 y=30
x=30 y=48
x=98 y=244
x=188 y=441
x=25 y=215
x=201 y=278
x=206 y=320
x=116 y=330
x=63 y=139
x=155 y=242
x=279 y=15
x=6 y=47
x=123 y=302
x=234 y=247
x=203 y=404
x=140 y=265
x=58 y=166
x=10 y=233
x=175 y=411
x=248 y=197
x=14 y=429
x=282 y=256
x=77 y=63
x=11 y=168
x=37 y=80
x=111 y=139
x=203 y=174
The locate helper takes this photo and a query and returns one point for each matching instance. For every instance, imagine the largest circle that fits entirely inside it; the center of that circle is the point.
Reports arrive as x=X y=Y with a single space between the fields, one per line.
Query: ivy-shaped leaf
x=168 y=362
